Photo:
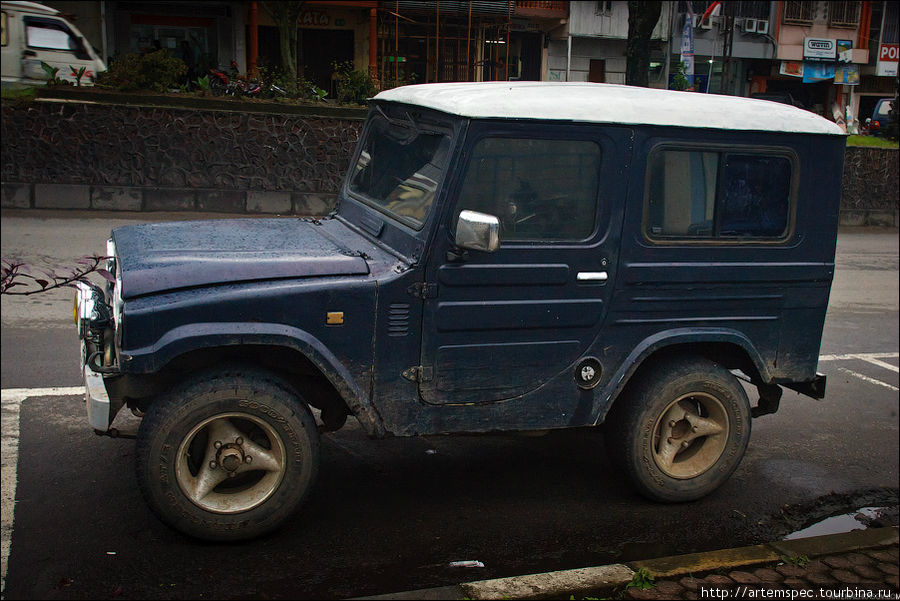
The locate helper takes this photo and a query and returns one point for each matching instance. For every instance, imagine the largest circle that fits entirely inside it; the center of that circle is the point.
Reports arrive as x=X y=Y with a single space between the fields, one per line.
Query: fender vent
x=398 y=320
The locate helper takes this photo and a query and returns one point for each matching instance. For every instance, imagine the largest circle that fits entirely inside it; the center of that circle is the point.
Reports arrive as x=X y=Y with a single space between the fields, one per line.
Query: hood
x=157 y=257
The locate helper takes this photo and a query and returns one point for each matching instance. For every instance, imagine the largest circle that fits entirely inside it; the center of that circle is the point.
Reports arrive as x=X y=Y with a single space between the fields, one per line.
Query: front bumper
x=96 y=399
x=92 y=318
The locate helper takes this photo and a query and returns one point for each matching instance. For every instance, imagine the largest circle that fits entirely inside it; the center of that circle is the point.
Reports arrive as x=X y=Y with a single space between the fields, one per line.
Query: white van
x=33 y=33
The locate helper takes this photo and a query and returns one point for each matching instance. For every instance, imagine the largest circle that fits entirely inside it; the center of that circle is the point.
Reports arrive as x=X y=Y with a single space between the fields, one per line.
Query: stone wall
x=871 y=186
x=76 y=155
x=73 y=155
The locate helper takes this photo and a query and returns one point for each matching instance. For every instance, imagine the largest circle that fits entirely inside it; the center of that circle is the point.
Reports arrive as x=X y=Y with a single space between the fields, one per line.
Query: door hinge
x=423 y=290
x=418 y=374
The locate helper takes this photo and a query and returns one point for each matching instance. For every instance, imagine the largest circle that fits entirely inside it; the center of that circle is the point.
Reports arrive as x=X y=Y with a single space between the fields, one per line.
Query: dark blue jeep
x=504 y=256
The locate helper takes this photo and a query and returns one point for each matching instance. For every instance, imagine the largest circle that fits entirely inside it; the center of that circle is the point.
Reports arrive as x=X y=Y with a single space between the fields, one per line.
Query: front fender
x=197 y=336
x=668 y=338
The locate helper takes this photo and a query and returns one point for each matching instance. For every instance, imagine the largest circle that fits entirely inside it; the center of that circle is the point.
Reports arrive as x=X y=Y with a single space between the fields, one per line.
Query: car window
x=539 y=189
x=694 y=194
x=400 y=168
x=48 y=34
x=883 y=109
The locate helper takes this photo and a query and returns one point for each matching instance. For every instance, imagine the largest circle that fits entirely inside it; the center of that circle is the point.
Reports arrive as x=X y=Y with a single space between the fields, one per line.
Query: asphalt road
x=390 y=515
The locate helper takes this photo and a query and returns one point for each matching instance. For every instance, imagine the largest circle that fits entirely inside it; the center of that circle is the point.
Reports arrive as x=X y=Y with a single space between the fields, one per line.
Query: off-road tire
x=635 y=424
x=236 y=400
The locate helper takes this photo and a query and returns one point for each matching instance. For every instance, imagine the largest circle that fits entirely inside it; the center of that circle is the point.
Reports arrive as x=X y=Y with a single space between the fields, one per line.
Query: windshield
x=400 y=167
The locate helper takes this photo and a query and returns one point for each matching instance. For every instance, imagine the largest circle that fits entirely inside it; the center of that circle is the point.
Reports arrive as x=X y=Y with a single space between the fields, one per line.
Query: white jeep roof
x=609 y=103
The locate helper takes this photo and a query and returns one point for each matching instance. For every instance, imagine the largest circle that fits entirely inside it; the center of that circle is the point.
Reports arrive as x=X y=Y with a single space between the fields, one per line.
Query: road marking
x=871 y=358
x=868 y=379
x=863 y=356
x=879 y=363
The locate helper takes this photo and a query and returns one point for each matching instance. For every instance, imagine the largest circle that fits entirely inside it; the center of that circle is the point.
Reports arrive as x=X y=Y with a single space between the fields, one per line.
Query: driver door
x=497 y=325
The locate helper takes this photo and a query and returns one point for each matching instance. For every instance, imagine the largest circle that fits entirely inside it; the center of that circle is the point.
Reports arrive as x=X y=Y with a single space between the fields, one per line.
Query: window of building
x=753 y=9
x=716 y=195
x=843 y=14
x=799 y=13
x=539 y=189
x=4 y=35
x=603 y=8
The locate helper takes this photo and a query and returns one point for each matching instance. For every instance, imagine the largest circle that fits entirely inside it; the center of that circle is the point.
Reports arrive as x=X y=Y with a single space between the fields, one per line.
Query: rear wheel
x=228 y=456
x=681 y=429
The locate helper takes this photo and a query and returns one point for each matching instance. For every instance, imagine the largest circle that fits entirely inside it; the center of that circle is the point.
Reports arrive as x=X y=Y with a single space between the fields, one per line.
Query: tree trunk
x=285 y=15
x=642 y=18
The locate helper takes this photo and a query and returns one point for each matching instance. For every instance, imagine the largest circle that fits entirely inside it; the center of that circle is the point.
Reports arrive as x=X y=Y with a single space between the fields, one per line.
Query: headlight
x=89 y=314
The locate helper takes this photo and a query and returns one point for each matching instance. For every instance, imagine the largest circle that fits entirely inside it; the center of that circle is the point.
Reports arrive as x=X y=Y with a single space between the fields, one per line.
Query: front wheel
x=680 y=430
x=228 y=456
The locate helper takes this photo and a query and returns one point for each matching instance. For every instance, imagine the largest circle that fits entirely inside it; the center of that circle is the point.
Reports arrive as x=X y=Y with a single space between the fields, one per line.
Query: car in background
x=881 y=116
x=35 y=35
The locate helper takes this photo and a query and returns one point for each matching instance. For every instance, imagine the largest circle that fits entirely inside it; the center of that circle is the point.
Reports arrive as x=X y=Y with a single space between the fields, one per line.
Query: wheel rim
x=230 y=463
x=690 y=435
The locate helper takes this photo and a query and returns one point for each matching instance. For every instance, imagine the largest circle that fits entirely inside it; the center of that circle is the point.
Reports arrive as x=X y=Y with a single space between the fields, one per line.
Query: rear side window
x=539 y=189
x=718 y=195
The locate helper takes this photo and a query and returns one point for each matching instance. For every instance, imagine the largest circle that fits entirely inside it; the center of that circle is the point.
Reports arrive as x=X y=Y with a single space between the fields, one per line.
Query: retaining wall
x=244 y=158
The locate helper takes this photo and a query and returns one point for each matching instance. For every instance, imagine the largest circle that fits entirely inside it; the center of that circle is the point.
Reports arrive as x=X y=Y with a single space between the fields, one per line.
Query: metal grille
x=799 y=13
x=754 y=9
x=398 y=319
x=843 y=14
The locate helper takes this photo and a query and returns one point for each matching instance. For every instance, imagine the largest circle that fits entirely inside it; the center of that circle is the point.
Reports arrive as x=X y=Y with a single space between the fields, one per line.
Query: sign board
x=845 y=51
x=819 y=49
x=847 y=75
x=816 y=72
x=887 y=60
x=791 y=68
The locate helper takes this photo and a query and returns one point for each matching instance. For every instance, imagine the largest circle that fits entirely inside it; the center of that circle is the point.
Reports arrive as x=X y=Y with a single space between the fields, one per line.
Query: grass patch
x=17 y=94
x=872 y=142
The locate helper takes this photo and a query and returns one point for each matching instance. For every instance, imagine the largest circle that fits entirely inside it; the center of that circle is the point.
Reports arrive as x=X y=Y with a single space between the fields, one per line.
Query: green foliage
x=157 y=71
x=78 y=73
x=797 y=560
x=642 y=579
x=52 y=78
x=680 y=80
x=311 y=91
x=203 y=83
x=354 y=86
x=871 y=141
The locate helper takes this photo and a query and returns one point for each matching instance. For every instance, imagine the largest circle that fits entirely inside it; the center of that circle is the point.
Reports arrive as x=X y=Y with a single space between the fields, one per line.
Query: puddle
x=857 y=520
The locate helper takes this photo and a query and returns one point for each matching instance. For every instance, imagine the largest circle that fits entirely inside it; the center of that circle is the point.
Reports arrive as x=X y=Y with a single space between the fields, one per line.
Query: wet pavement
x=868 y=573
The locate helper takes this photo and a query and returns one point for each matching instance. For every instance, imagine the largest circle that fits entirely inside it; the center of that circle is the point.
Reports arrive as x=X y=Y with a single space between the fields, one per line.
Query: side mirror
x=478 y=231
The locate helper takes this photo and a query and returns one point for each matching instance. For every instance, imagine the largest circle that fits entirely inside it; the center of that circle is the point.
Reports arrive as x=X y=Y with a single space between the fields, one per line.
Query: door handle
x=29 y=53
x=592 y=276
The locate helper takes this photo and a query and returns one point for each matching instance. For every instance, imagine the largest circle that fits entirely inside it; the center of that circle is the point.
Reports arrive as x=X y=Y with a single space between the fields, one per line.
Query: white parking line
x=863 y=356
x=868 y=379
x=871 y=358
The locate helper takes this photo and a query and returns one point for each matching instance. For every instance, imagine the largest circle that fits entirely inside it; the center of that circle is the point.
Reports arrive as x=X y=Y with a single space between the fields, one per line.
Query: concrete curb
x=565 y=583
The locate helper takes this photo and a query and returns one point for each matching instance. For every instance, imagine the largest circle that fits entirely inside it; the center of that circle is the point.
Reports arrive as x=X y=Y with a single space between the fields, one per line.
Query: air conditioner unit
x=762 y=26
x=750 y=25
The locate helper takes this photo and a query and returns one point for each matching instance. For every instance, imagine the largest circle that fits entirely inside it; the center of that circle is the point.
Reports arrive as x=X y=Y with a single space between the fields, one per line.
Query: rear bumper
x=814 y=388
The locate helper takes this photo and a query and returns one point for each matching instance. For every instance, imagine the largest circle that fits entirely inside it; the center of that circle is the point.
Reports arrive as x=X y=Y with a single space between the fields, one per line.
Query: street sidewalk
x=861 y=564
